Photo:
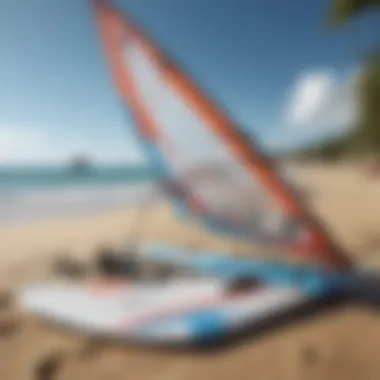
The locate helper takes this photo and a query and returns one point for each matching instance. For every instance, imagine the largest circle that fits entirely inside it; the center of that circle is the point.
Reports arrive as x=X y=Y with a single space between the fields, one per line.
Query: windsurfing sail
x=206 y=164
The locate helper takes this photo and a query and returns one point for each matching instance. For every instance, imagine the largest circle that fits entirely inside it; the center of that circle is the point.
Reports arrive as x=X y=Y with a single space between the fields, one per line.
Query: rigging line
x=139 y=225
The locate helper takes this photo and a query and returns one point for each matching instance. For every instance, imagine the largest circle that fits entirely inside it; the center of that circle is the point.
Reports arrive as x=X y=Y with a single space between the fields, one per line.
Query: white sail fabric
x=234 y=202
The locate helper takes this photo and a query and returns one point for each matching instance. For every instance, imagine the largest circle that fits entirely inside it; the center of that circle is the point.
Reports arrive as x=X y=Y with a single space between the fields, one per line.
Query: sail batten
x=205 y=163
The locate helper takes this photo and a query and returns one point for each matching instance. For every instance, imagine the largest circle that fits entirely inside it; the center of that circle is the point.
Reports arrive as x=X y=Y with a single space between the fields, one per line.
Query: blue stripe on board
x=207 y=325
x=311 y=280
x=228 y=229
x=197 y=325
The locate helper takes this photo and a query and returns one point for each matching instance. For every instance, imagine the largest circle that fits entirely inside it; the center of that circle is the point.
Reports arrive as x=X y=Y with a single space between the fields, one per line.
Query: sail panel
x=206 y=163
x=235 y=202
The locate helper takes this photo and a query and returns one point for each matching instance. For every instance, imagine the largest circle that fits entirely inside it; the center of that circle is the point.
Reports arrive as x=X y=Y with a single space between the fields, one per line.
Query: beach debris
x=90 y=348
x=69 y=267
x=6 y=299
x=48 y=366
x=9 y=325
x=373 y=169
x=125 y=262
x=110 y=262
x=310 y=356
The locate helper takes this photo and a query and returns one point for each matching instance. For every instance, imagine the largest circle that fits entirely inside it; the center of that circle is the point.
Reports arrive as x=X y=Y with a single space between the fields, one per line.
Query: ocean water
x=33 y=193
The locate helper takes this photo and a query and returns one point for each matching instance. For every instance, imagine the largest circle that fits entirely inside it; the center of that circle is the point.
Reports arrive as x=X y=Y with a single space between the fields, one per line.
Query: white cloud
x=19 y=143
x=321 y=99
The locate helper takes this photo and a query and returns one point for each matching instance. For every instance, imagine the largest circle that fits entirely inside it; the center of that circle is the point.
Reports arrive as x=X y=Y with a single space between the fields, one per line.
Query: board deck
x=173 y=312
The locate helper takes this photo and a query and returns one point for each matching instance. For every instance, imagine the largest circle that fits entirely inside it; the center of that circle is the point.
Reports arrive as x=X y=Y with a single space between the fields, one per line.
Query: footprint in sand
x=6 y=299
x=8 y=327
x=90 y=349
x=310 y=356
x=49 y=366
x=9 y=323
x=69 y=268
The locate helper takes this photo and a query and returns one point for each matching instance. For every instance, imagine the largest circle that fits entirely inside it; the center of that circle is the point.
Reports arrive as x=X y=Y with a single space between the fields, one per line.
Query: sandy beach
x=343 y=343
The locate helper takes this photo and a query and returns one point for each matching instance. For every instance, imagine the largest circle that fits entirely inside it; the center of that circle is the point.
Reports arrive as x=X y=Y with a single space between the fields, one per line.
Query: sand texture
x=341 y=343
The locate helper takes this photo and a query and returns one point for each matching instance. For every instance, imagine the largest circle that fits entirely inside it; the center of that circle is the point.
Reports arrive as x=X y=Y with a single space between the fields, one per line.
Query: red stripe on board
x=107 y=287
x=178 y=310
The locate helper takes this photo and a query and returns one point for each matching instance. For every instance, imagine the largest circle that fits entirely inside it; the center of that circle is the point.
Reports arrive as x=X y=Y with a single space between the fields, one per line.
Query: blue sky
x=272 y=64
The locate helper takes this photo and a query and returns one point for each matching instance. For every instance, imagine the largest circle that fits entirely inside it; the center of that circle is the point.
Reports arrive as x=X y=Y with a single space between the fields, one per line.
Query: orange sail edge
x=111 y=24
x=111 y=28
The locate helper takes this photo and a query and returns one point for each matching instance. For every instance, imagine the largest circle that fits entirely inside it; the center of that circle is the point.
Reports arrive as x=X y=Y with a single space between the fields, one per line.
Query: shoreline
x=347 y=204
x=27 y=206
